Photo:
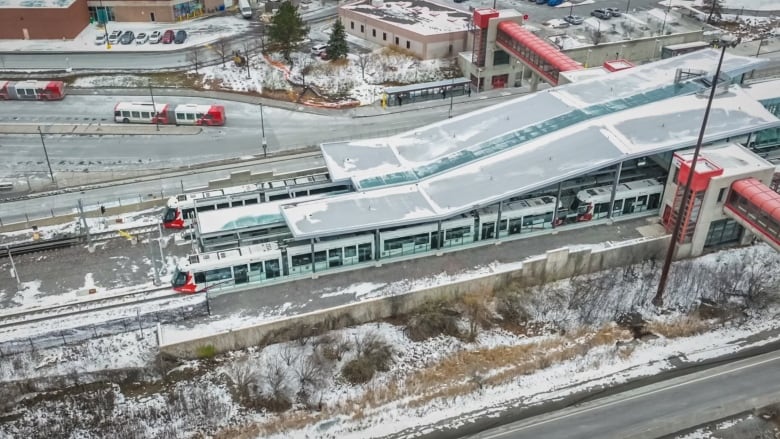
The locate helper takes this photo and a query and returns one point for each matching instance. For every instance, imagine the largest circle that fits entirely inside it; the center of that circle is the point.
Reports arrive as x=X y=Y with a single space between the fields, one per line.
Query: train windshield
x=169 y=215
x=179 y=278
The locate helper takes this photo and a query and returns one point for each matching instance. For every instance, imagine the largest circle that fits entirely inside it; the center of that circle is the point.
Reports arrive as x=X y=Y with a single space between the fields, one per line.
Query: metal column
x=557 y=202
x=498 y=221
x=614 y=189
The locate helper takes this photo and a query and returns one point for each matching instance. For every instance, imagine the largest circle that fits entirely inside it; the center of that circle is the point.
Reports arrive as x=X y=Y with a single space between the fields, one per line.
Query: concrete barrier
x=62 y=219
x=554 y=265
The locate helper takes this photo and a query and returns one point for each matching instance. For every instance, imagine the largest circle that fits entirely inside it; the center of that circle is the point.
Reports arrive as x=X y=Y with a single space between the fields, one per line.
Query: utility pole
x=84 y=221
x=452 y=93
x=13 y=266
x=46 y=153
x=658 y=300
x=154 y=107
x=264 y=144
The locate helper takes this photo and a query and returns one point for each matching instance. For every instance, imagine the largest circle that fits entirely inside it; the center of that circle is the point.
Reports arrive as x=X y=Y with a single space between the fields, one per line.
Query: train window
x=199 y=115
x=350 y=252
x=223 y=205
x=279 y=197
x=502 y=225
x=641 y=201
x=721 y=194
x=200 y=278
x=301 y=194
x=250 y=201
x=271 y=269
x=320 y=256
x=364 y=252
x=190 y=116
x=334 y=257
x=422 y=239
x=136 y=114
x=301 y=260
x=180 y=116
x=125 y=113
x=457 y=232
x=205 y=208
x=256 y=266
x=240 y=275
x=145 y=115
x=188 y=213
x=654 y=201
x=218 y=274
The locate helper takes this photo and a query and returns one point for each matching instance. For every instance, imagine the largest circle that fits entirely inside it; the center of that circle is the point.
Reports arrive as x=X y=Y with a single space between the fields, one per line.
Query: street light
x=154 y=107
x=46 y=153
x=658 y=299
x=452 y=94
x=105 y=24
x=262 y=130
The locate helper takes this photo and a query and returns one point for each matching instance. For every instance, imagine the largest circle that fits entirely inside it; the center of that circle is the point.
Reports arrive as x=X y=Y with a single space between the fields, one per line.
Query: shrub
x=431 y=320
x=511 y=308
x=333 y=348
x=358 y=371
x=206 y=351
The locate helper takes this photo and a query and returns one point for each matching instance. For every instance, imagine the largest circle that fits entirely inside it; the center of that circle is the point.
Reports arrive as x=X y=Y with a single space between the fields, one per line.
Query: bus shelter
x=446 y=88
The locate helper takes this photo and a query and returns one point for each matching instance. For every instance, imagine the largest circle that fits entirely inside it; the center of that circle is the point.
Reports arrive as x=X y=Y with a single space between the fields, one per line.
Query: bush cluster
x=374 y=355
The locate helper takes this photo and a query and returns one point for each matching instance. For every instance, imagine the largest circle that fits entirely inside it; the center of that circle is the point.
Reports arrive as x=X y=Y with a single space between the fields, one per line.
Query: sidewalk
x=98 y=129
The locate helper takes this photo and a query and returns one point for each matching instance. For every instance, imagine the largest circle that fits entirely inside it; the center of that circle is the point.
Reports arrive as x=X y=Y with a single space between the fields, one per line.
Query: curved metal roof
x=760 y=195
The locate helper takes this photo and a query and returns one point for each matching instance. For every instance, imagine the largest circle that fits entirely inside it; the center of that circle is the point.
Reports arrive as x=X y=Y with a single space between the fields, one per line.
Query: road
x=22 y=156
x=660 y=409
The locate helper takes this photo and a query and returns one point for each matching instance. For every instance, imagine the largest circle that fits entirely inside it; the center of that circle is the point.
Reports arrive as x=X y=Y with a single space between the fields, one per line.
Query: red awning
x=759 y=195
x=551 y=54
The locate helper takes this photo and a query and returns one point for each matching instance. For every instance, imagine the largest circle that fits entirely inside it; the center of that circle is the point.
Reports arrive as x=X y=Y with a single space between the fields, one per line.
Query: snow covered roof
x=419 y=16
x=21 y=4
x=733 y=158
x=526 y=144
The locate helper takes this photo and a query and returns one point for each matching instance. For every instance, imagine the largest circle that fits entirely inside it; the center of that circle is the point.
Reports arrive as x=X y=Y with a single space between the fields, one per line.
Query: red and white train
x=32 y=90
x=186 y=114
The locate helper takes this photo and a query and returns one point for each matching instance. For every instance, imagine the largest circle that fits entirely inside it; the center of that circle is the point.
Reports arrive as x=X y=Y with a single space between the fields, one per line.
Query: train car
x=32 y=90
x=226 y=269
x=513 y=217
x=187 y=114
x=180 y=210
x=632 y=197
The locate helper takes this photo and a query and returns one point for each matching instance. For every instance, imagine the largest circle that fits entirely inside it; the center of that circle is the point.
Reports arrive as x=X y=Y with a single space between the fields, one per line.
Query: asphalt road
x=659 y=409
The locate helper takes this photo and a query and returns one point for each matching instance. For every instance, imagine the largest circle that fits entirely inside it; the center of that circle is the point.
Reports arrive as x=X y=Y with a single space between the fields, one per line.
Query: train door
x=628 y=205
x=272 y=268
x=488 y=230
x=240 y=274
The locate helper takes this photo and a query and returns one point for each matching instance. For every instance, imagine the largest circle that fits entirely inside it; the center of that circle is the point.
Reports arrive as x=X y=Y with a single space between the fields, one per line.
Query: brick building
x=42 y=19
x=165 y=11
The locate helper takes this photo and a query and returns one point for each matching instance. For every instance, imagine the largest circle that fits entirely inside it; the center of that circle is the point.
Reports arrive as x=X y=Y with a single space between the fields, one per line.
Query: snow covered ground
x=398 y=399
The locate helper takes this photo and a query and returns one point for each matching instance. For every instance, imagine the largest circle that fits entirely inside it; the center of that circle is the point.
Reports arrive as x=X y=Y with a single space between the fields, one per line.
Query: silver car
x=155 y=37
x=141 y=38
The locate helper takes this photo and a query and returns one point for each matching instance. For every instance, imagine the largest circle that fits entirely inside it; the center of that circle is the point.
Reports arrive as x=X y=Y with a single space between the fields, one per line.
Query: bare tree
x=288 y=355
x=364 y=60
x=222 y=47
x=310 y=374
x=244 y=376
x=194 y=58
x=276 y=384
x=475 y=306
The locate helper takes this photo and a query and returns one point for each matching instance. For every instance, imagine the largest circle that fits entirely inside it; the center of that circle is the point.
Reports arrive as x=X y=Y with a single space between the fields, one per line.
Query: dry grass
x=466 y=372
x=682 y=327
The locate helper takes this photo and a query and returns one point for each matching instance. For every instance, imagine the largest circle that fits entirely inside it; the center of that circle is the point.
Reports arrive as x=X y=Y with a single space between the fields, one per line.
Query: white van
x=318 y=49
x=244 y=8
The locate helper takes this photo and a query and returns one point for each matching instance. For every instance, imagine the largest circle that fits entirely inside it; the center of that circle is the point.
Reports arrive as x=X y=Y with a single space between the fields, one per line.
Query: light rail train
x=181 y=209
x=272 y=260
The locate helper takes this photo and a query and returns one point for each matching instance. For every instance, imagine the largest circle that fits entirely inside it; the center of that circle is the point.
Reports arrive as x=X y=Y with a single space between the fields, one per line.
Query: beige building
x=428 y=29
x=166 y=11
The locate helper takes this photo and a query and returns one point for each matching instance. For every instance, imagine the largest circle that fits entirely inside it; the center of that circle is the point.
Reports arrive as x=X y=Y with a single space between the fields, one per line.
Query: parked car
x=181 y=36
x=318 y=49
x=100 y=39
x=615 y=12
x=167 y=37
x=127 y=37
x=141 y=38
x=573 y=19
x=155 y=37
x=114 y=37
x=602 y=14
x=557 y=23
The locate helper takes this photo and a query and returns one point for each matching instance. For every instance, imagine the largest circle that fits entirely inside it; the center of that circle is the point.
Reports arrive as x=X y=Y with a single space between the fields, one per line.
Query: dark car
x=167 y=37
x=602 y=14
x=615 y=12
x=127 y=37
x=573 y=19
x=180 y=37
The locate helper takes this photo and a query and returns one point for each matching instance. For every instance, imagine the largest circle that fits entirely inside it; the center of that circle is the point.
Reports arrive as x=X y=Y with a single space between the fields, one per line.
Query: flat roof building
x=42 y=19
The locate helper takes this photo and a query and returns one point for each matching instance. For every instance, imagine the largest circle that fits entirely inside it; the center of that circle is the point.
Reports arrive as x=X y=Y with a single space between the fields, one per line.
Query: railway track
x=86 y=306
x=58 y=243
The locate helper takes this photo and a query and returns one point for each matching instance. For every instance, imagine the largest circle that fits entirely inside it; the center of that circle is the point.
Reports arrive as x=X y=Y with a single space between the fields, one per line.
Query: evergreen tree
x=287 y=30
x=337 y=44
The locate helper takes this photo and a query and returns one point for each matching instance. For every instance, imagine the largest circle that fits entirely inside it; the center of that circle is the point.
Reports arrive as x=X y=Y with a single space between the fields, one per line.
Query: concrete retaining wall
x=554 y=265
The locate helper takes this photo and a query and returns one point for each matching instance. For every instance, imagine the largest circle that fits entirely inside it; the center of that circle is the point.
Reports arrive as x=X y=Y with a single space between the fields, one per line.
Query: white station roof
x=526 y=144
